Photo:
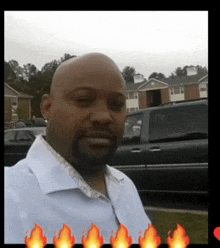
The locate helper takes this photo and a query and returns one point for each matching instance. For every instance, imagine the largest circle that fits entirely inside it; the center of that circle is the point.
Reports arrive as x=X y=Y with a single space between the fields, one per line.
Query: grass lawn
x=196 y=226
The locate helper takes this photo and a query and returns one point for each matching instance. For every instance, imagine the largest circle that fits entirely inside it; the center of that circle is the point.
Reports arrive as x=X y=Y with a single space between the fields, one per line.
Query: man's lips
x=99 y=138
x=98 y=141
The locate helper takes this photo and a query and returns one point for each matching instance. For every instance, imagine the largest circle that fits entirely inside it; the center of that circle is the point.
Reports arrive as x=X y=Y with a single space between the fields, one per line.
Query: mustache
x=98 y=131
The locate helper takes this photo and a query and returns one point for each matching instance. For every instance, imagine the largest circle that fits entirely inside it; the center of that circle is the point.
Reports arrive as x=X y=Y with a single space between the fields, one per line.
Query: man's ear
x=45 y=106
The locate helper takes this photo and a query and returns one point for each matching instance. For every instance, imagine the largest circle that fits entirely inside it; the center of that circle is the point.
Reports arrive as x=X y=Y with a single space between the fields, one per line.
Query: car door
x=129 y=156
x=172 y=153
x=17 y=143
x=178 y=149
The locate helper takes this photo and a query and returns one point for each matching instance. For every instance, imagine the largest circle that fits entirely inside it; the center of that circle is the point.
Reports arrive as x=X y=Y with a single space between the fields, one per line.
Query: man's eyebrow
x=71 y=92
x=119 y=94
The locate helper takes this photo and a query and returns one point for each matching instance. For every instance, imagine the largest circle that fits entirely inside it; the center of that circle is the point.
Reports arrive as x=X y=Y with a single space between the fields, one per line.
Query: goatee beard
x=87 y=161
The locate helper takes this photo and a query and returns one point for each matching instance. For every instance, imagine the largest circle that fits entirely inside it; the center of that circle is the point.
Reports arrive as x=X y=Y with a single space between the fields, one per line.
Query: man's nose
x=101 y=114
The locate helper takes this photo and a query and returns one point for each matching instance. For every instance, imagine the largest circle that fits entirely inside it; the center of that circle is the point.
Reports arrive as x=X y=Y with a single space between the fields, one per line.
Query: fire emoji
x=65 y=239
x=179 y=240
x=150 y=240
x=122 y=239
x=37 y=239
x=94 y=239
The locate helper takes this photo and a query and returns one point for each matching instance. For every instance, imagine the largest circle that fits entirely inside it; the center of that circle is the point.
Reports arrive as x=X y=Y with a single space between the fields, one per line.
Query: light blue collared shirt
x=44 y=189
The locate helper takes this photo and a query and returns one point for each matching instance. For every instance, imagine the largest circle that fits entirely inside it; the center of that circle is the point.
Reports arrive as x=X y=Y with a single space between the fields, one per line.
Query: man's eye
x=117 y=105
x=84 y=101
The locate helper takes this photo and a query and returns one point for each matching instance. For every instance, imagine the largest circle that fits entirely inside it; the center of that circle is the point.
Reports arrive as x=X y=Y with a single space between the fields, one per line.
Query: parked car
x=35 y=122
x=18 y=141
x=165 y=149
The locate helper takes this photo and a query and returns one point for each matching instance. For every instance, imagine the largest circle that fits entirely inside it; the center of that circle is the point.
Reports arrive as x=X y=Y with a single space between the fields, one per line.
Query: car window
x=132 y=131
x=179 y=123
x=38 y=131
x=24 y=135
x=10 y=136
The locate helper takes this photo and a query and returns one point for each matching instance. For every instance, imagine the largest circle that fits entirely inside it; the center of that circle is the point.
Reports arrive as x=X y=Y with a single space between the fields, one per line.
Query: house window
x=177 y=93
x=132 y=131
x=14 y=101
x=177 y=90
x=129 y=110
x=132 y=95
x=135 y=95
x=180 y=123
x=203 y=88
x=181 y=90
x=14 y=104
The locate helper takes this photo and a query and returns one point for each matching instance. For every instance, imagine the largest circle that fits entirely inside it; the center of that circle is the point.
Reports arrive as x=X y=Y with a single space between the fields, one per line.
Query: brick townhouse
x=17 y=104
x=153 y=92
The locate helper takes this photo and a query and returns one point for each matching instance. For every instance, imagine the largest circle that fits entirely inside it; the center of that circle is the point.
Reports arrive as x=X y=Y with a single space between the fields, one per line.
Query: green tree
x=41 y=82
x=156 y=75
x=179 y=72
x=29 y=80
x=66 y=57
x=201 y=70
x=48 y=71
x=29 y=70
x=50 y=67
x=16 y=68
x=13 y=63
x=183 y=71
x=128 y=74
x=9 y=74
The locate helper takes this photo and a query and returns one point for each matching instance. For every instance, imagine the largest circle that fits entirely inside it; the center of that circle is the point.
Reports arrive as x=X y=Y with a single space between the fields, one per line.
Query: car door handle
x=136 y=150
x=155 y=149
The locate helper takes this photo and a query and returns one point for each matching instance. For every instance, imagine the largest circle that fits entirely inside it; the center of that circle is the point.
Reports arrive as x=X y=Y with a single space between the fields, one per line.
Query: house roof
x=203 y=79
x=133 y=86
x=11 y=92
x=153 y=84
x=182 y=80
x=194 y=79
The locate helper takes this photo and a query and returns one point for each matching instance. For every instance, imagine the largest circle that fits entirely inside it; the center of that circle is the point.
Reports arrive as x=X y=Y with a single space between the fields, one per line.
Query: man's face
x=88 y=114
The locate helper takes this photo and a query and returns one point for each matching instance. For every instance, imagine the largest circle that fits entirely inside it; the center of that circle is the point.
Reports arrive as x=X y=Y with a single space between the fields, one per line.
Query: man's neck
x=96 y=180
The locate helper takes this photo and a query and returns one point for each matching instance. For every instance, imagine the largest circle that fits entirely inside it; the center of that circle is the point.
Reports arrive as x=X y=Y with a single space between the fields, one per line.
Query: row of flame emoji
x=95 y=240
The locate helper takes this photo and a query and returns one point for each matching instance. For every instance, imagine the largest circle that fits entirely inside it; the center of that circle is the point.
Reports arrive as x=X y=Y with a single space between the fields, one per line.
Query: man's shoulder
x=120 y=175
x=20 y=167
x=16 y=176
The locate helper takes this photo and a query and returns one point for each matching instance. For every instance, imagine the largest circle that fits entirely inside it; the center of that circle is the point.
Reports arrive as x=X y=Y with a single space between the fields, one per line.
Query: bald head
x=88 y=95
x=89 y=65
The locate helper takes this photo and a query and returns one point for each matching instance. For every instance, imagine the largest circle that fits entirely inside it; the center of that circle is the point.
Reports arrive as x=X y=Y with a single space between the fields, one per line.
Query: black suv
x=165 y=149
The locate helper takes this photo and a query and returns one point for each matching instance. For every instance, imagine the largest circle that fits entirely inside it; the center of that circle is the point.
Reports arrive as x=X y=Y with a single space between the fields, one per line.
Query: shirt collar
x=54 y=173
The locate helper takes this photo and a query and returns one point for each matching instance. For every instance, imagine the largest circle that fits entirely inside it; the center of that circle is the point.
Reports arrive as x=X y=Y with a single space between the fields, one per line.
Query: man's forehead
x=93 y=69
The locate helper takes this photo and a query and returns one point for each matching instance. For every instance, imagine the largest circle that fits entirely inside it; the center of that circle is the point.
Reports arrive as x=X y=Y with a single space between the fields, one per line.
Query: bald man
x=64 y=178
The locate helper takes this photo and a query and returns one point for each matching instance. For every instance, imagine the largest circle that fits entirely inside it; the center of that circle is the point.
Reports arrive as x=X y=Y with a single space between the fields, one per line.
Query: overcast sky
x=149 y=41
